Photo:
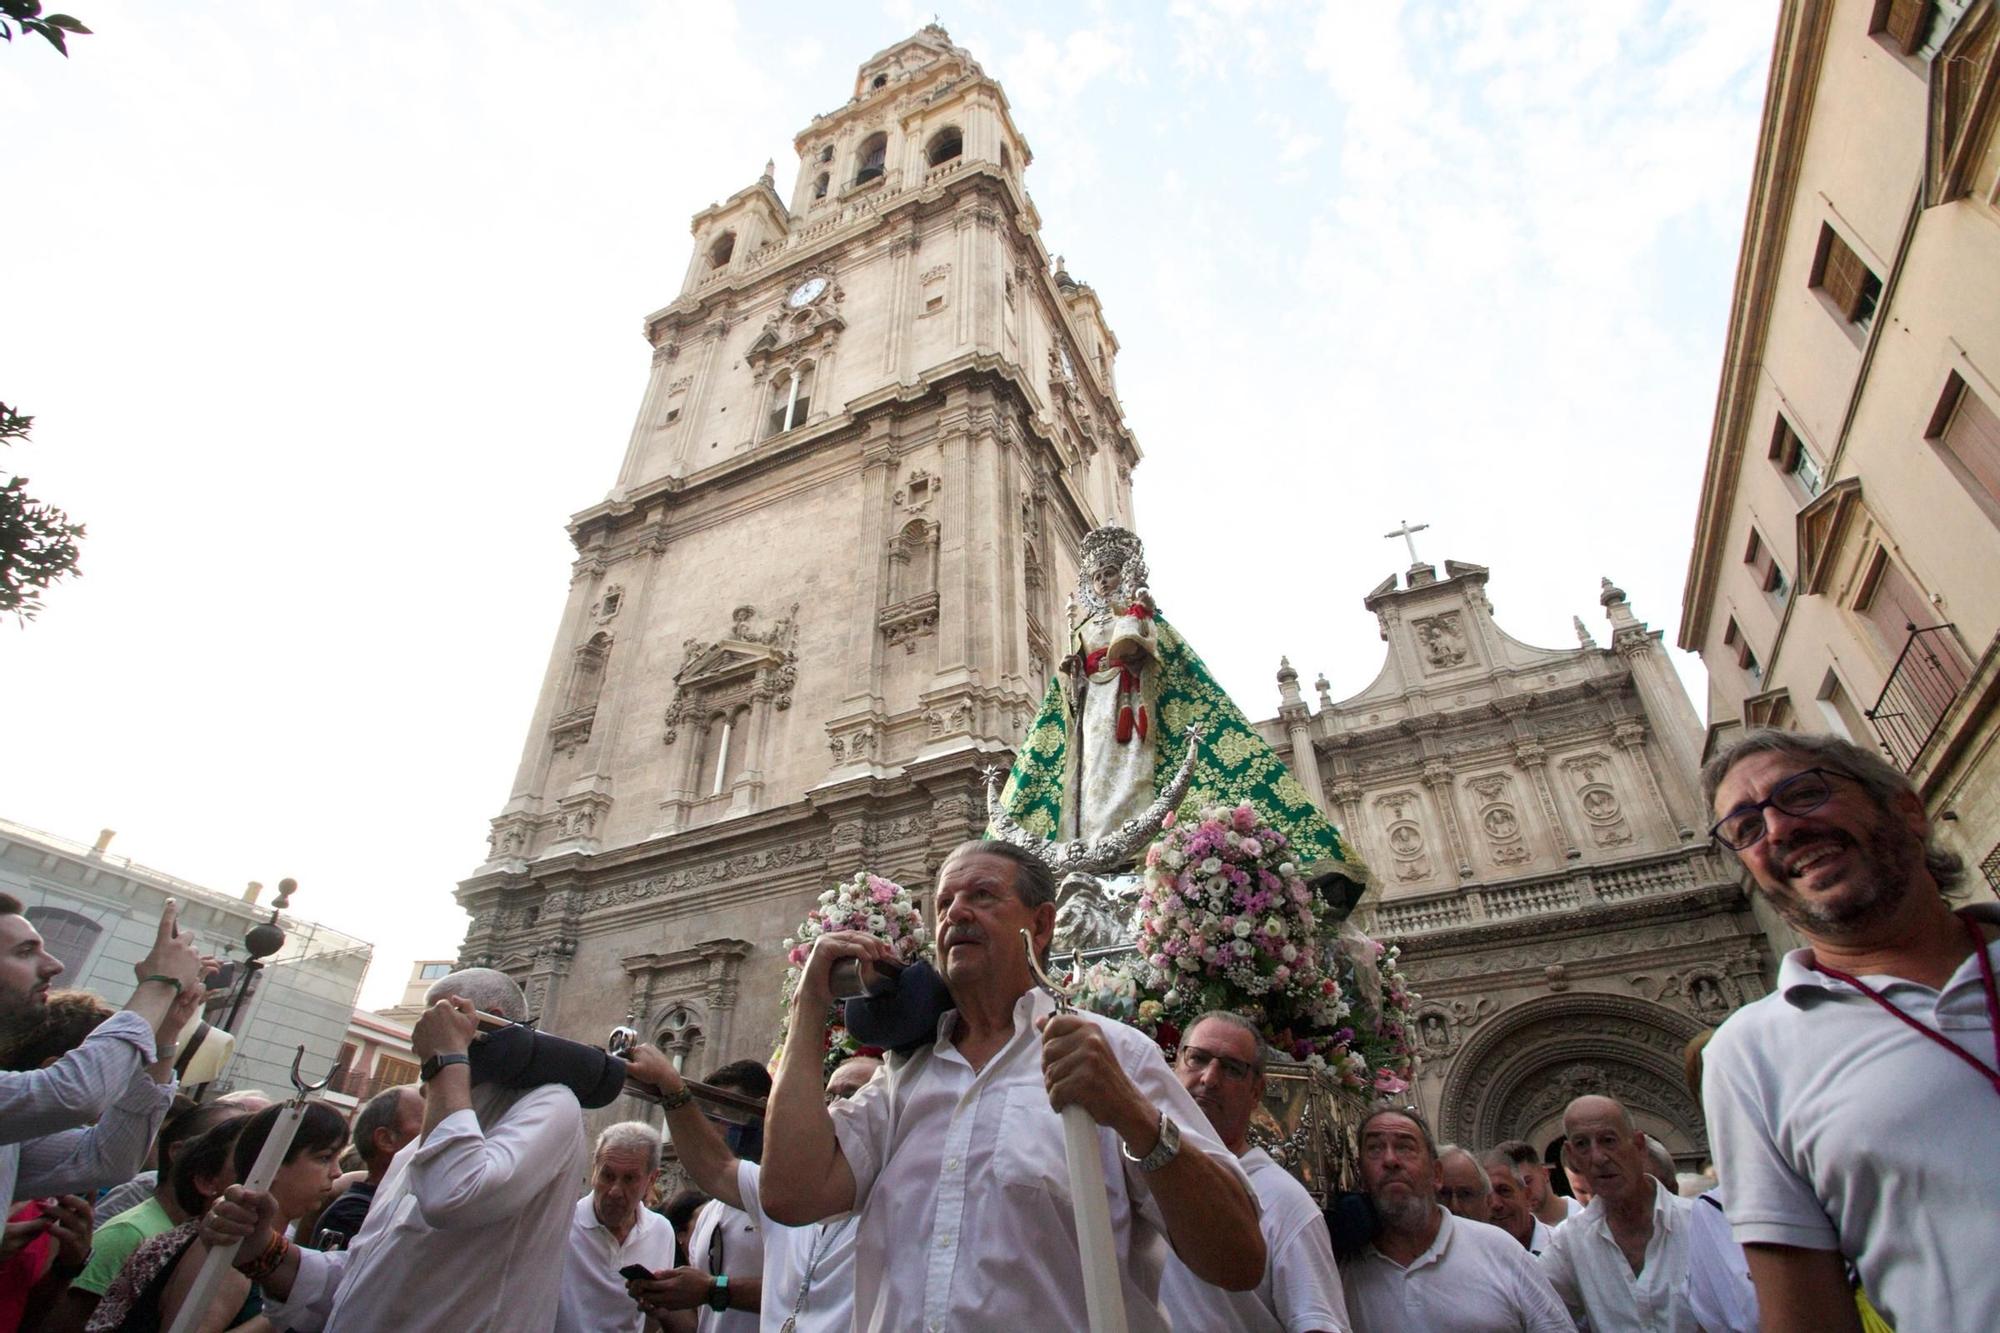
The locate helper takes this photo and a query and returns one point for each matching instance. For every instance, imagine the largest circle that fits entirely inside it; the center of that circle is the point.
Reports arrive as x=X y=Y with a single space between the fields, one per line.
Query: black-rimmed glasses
x=1799 y=794
x=1197 y=1059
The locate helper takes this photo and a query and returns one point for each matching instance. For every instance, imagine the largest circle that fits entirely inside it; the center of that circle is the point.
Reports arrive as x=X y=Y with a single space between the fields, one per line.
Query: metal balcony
x=1927 y=678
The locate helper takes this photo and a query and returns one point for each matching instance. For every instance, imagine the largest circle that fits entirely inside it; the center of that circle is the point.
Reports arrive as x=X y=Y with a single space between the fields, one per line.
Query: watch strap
x=1164 y=1151
x=437 y=1064
x=718 y=1292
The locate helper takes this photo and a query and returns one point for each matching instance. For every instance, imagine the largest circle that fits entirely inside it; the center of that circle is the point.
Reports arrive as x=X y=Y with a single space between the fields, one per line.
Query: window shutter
x=1906 y=23
x=1973 y=438
x=1844 y=277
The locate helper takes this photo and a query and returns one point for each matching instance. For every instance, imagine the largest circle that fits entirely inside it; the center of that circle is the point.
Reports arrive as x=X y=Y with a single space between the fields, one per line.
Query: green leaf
x=53 y=34
x=67 y=24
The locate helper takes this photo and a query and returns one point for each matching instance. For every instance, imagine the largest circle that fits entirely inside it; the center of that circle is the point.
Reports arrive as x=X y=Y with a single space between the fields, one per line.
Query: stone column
x=1438 y=777
x=1535 y=761
x=1631 y=738
x=1297 y=721
x=652 y=413
x=1670 y=713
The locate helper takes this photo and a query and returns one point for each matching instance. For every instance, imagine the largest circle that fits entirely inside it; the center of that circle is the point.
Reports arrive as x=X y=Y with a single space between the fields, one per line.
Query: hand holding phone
x=636 y=1273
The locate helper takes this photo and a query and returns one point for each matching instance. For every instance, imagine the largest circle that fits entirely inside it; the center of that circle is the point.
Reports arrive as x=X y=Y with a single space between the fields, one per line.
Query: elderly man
x=470 y=1227
x=1426 y=1269
x=955 y=1160
x=1550 y=1207
x=390 y=1122
x=613 y=1229
x=1221 y=1064
x=1852 y=1110
x=1463 y=1186
x=808 y=1279
x=1510 y=1202
x=1624 y=1262
x=86 y=1120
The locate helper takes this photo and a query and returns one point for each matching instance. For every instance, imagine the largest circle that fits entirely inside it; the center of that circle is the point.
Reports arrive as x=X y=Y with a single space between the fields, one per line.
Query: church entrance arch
x=1514 y=1078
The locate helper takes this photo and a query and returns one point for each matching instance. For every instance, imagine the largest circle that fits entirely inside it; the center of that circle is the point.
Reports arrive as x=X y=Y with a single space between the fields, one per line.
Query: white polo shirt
x=593 y=1298
x=1539 y=1238
x=1836 y=1127
x=1300 y=1292
x=808 y=1270
x=1474 y=1278
x=726 y=1240
x=1591 y=1274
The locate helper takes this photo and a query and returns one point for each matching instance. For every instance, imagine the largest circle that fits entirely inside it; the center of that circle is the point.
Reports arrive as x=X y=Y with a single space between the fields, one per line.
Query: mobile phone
x=636 y=1273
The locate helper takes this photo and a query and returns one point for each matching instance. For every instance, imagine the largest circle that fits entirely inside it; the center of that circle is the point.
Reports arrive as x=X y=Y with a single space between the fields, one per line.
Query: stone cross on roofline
x=1405 y=532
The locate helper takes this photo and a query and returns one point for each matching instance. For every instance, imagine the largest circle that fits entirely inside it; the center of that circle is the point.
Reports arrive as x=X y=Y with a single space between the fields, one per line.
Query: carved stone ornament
x=1442 y=638
x=747 y=664
x=907 y=622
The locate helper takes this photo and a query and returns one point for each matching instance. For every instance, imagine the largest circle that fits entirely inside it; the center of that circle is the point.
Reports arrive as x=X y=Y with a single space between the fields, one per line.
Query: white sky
x=329 y=317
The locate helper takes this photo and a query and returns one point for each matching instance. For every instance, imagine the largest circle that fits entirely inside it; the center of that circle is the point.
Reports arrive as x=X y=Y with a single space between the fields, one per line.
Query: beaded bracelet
x=267 y=1263
x=175 y=982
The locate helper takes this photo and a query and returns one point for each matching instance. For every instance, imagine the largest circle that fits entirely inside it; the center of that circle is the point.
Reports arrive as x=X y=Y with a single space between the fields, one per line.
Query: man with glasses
x=1426 y=1269
x=1464 y=1190
x=1221 y=1064
x=1852 y=1111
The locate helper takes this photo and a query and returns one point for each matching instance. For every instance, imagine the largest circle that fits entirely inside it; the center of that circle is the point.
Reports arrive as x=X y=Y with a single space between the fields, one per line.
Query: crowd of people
x=1850 y=1116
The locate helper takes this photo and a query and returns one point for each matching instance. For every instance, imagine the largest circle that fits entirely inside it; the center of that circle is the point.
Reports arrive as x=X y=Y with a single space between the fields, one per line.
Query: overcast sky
x=329 y=317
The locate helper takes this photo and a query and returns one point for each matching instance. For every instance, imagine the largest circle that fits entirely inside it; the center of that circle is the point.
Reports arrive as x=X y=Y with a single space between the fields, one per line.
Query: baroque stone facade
x=1537 y=847
x=824 y=589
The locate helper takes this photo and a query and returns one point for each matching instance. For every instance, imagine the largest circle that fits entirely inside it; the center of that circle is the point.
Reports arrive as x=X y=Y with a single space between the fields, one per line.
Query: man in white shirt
x=1550 y=1207
x=808 y=1279
x=612 y=1229
x=1465 y=1190
x=1221 y=1064
x=1624 y=1262
x=1510 y=1203
x=955 y=1158
x=87 y=1120
x=1852 y=1110
x=1426 y=1268
x=470 y=1229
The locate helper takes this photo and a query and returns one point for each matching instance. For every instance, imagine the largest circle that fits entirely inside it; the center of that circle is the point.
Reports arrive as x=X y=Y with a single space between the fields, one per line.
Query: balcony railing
x=1570 y=890
x=1927 y=678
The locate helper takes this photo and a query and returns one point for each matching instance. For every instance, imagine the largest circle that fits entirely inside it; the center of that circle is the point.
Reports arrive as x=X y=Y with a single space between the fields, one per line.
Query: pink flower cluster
x=869 y=903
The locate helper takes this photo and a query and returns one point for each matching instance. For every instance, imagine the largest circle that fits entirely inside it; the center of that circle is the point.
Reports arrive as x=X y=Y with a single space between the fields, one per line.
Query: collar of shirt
x=1434 y=1255
x=1666 y=1218
x=1802 y=985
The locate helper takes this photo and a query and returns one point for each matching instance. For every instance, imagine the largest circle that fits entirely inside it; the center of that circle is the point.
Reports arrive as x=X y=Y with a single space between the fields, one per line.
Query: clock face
x=806 y=292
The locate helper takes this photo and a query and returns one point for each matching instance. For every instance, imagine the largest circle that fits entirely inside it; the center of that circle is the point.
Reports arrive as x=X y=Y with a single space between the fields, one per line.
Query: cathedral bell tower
x=827 y=585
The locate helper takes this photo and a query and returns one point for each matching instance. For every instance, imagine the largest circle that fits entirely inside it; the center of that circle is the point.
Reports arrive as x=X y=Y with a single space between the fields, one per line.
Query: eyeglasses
x=1195 y=1060
x=1799 y=794
x=1449 y=1195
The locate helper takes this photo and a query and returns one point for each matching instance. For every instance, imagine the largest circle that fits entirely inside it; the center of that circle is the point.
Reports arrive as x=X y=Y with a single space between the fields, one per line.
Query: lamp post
x=259 y=943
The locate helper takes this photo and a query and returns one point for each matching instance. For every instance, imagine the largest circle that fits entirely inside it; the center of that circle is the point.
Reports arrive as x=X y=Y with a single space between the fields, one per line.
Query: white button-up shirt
x=726 y=1240
x=1719 y=1290
x=962 y=1184
x=1300 y=1292
x=1593 y=1277
x=1474 y=1278
x=468 y=1232
x=594 y=1299
x=808 y=1270
x=103 y=1088
x=1836 y=1127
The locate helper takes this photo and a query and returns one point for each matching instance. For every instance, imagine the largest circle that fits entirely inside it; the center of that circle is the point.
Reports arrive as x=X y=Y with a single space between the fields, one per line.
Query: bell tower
x=826 y=587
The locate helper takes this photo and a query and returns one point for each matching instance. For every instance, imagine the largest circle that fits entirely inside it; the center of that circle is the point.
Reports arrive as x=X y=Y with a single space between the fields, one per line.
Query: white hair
x=489 y=989
x=630 y=1136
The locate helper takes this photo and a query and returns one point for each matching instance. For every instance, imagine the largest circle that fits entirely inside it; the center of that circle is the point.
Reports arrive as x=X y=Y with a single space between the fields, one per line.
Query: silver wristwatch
x=1168 y=1148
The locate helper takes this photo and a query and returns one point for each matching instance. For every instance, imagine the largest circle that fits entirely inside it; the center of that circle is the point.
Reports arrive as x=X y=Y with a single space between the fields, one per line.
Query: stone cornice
x=1597 y=919
x=1788 y=106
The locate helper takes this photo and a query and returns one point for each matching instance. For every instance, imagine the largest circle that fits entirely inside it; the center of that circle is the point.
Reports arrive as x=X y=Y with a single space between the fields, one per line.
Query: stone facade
x=1538 y=850
x=1850 y=511
x=827 y=586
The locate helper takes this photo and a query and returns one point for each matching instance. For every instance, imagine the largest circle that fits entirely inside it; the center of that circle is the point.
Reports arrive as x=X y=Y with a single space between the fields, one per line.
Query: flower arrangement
x=1227 y=921
x=867 y=903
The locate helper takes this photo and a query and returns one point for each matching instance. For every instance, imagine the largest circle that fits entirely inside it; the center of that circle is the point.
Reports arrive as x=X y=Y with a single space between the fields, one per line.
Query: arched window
x=586 y=677
x=946 y=144
x=826 y=153
x=791 y=399
x=680 y=1036
x=721 y=752
x=68 y=936
x=881 y=81
x=722 y=249
x=913 y=561
x=869 y=162
x=819 y=186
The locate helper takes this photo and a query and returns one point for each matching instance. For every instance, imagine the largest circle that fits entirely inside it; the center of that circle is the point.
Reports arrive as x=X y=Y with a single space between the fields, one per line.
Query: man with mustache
x=955 y=1157
x=1221 y=1064
x=1852 y=1110
x=1426 y=1268
x=87 y=1120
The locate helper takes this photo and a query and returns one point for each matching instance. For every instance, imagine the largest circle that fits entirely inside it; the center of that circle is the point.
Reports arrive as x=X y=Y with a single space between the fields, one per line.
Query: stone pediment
x=721 y=662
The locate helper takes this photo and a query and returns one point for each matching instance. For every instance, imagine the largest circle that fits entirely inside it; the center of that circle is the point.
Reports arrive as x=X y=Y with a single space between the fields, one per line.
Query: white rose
x=1243 y=929
x=1213 y=865
x=1243 y=948
x=1274 y=927
x=1172 y=859
x=1288 y=870
x=1289 y=954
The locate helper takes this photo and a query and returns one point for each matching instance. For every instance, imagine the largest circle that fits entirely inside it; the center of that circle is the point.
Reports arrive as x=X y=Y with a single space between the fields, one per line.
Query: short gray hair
x=1883 y=781
x=1458 y=1150
x=1500 y=1157
x=1034 y=882
x=1230 y=1018
x=490 y=990
x=630 y=1136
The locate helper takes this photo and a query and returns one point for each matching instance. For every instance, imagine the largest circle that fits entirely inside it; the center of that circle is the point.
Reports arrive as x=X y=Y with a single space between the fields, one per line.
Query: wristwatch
x=437 y=1064
x=1164 y=1151
x=718 y=1292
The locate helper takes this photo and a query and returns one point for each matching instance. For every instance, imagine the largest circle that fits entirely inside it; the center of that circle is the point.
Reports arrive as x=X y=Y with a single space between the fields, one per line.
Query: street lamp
x=259 y=942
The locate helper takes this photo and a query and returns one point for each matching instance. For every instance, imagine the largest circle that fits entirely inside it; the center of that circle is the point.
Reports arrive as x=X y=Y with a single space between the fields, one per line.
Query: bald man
x=1622 y=1262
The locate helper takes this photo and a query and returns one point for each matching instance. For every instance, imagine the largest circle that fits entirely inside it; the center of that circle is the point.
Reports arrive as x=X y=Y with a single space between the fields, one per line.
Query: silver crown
x=1117 y=547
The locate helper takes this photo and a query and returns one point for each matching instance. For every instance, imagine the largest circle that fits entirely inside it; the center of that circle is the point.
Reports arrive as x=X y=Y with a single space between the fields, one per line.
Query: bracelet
x=267 y=1263
x=674 y=1101
x=175 y=982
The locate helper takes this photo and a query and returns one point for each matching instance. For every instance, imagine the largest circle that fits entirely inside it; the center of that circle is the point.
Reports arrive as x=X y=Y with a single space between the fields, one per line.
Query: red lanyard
x=1992 y=1005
